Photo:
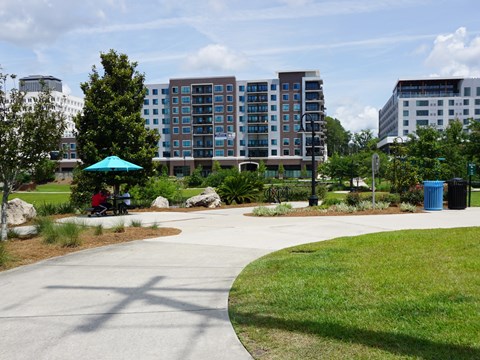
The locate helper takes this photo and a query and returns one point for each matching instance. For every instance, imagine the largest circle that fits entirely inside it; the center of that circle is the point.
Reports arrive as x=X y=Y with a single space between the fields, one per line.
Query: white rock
x=208 y=198
x=160 y=202
x=19 y=212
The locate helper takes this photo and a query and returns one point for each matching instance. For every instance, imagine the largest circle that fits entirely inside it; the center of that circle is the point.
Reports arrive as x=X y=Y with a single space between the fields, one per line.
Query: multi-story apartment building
x=71 y=106
x=237 y=123
x=428 y=102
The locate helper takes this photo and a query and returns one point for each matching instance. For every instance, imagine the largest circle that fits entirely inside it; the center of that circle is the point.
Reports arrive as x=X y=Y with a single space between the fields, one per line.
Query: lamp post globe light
x=313 y=199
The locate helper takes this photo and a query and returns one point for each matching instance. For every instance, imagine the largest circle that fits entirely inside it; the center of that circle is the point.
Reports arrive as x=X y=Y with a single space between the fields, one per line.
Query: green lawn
x=39 y=198
x=475 y=201
x=52 y=187
x=396 y=295
x=188 y=193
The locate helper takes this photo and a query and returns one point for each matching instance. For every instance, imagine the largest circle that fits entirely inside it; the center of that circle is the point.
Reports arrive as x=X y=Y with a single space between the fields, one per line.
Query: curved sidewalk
x=163 y=298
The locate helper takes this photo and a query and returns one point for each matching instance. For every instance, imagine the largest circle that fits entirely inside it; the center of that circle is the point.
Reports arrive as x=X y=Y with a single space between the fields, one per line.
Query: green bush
x=331 y=201
x=47 y=209
x=196 y=179
x=240 y=188
x=353 y=199
x=390 y=198
x=414 y=197
x=154 y=187
x=216 y=178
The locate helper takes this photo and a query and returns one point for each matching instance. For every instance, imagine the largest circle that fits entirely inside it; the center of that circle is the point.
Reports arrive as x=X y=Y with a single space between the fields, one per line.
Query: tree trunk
x=3 y=217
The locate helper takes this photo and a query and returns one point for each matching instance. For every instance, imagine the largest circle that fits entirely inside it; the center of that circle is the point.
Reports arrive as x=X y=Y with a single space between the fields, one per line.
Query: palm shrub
x=240 y=188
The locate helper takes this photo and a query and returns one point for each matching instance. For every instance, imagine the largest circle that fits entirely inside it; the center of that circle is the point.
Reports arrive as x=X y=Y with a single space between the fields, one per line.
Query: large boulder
x=208 y=198
x=19 y=212
x=161 y=203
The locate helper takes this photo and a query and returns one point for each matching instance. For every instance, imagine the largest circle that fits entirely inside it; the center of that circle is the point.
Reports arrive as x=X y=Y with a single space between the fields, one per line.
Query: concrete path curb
x=163 y=298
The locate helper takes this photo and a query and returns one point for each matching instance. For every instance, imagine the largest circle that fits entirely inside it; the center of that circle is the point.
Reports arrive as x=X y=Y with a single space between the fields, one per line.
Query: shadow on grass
x=398 y=344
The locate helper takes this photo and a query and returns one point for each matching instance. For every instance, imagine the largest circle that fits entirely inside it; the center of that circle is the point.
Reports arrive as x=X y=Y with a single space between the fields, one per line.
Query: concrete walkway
x=163 y=298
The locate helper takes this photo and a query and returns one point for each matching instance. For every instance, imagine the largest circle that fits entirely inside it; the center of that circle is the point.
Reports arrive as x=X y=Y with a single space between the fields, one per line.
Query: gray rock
x=19 y=212
x=161 y=203
x=208 y=198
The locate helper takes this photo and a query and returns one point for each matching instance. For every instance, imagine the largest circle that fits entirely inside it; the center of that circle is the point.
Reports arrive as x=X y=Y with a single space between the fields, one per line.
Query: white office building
x=428 y=102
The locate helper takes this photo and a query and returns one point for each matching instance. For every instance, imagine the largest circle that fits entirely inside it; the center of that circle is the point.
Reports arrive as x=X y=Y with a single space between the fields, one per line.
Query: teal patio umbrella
x=113 y=164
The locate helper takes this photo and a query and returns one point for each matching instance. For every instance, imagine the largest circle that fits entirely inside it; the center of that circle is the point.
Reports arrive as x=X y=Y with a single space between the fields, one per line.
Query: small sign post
x=375 y=167
x=471 y=170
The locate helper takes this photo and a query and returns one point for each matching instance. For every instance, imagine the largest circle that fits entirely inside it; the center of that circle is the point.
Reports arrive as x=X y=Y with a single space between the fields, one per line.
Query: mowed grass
x=53 y=187
x=39 y=198
x=394 y=295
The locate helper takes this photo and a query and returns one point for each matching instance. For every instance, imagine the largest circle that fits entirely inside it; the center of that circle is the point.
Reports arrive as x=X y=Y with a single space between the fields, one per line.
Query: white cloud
x=454 y=55
x=38 y=22
x=355 y=118
x=216 y=57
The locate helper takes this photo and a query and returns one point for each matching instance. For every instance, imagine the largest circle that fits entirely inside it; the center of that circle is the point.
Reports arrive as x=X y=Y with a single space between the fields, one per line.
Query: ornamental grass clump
x=69 y=234
x=406 y=207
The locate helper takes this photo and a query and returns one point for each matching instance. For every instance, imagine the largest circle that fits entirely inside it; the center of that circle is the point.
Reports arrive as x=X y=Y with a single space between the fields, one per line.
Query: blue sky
x=360 y=47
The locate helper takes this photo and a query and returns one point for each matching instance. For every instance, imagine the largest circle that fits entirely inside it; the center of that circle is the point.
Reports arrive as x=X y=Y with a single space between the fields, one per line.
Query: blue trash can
x=433 y=195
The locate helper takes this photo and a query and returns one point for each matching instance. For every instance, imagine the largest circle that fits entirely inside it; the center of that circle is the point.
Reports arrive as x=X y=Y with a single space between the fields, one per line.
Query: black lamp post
x=313 y=199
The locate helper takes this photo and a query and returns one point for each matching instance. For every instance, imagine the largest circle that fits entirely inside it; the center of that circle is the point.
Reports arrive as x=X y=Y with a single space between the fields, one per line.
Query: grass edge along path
x=411 y=294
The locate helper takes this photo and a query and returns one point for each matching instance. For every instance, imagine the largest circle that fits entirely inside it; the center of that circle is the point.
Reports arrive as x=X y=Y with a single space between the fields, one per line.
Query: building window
x=185 y=89
x=286 y=141
x=229 y=98
x=186 y=143
x=286 y=128
x=285 y=97
x=73 y=155
x=467 y=91
x=440 y=102
x=273 y=97
x=440 y=122
x=176 y=130
x=229 y=108
x=286 y=152
x=440 y=112
x=405 y=112
x=186 y=130
x=273 y=127
x=422 y=112
x=273 y=118
x=273 y=87
x=405 y=122
x=155 y=121
x=422 y=102
x=219 y=153
x=285 y=86
x=73 y=146
x=405 y=102
x=451 y=102
x=218 y=98
x=296 y=107
x=466 y=102
x=229 y=88
x=146 y=112
x=186 y=120
x=286 y=107
x=155 y=91
x=175 y=110
x=155 y=101
x=176 y=143
x=229 y=152
x=286 y=117
x=185 y=99
x=405 y=132
x=185 y=109
x=229 y=118
x=219 y=118
x=175 y=120
x=166 y=131
x=219 y=108
x=145 y=101
x=422 y=122
x=296 y=86
x=155 y=111
x=466 y=112
x=218 y=88
x=241 y=88
x=175 y=100
x=273 y=108
x=273 y=142
x=451 y=112
x=147 y=121
x=477 y=111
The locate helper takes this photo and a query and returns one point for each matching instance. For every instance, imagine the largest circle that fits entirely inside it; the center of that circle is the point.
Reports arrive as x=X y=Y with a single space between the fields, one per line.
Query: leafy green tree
x=364 y=140
x=454 y=149
x=262 y=169
x=337 y=137
x=472 y=147
x=340 y=167
x=111 y=123
x=196 y=179
x=281 y=170
x=425 y=150
x=243 y=187
x=28 y=133
x=216 y=166
x=44 y=171
x=402 y=171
